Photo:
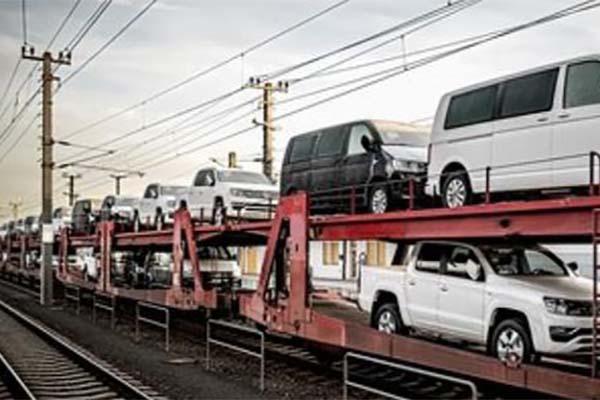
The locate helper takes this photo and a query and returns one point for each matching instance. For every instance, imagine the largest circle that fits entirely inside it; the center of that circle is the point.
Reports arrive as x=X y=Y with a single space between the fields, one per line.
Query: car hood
x=568 y=287
x=406 y=153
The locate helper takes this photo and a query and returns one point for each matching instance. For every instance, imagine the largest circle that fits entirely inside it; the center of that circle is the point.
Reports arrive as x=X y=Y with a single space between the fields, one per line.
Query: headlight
x=171 y=203
x=576 y=308
x=237 y=192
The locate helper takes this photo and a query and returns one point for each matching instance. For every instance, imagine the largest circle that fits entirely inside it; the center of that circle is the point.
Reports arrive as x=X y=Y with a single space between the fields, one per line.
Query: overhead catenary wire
x=423 y=18
x=63 y=23
x=19 y=138
x=29 y=76
x=207 y=71
x=357 y=43
x=107 y=44
x=390 y=73
x=87 y=25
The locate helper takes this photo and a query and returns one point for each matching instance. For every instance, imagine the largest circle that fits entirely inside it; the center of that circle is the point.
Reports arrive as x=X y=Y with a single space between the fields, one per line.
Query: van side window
x=331 y=142
x=583 y=84
x=472 y=107
x=356 y=134
x=529 y=94
x=302 y=148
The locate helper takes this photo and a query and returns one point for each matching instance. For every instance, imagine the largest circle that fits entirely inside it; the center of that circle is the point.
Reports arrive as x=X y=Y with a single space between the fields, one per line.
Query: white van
x=535 y=130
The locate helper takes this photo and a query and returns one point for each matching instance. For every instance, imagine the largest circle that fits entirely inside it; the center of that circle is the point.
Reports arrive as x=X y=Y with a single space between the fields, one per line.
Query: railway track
x=39 y=363
x=294 y=359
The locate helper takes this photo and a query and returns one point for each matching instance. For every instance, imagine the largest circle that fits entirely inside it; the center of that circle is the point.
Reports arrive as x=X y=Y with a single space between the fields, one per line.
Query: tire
x=379 y=200
x=159 y=219
x=456 y=191
x=511 y=342
x=387 y=319
x=218 y=212
x=136 y=221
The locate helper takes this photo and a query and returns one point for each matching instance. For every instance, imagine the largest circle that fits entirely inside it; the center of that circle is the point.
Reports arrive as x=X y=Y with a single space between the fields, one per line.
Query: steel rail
x=86 y=361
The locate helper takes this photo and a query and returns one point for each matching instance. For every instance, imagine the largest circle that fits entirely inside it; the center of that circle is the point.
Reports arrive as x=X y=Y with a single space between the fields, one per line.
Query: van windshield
x=393 y=133
x=523 y=261
x=243 y=177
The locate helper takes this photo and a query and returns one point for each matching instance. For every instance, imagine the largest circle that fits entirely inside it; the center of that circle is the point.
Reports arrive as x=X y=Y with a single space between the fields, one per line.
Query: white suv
x=517 y=300
x=216 y=191
x=534 y=129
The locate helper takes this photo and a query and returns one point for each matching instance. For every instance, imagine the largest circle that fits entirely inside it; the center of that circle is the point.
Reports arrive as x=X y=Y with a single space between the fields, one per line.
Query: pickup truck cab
x=517 y=300
x=216 y=191
x=158 y=203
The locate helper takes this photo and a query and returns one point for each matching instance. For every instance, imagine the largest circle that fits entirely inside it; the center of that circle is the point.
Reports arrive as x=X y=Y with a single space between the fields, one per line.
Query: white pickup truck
x=520 y=301
x=218 y=191
x=158 y=204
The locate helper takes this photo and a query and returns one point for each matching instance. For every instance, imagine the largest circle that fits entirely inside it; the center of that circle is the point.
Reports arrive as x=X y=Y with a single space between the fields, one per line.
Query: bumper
x=252 y=210
x=563 y=335
x=400 y=187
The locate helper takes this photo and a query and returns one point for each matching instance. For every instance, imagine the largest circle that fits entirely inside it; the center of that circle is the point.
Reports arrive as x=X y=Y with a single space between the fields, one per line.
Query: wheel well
x=452 y=167
x=380 y=298
x=502 y=314
x=219 y=198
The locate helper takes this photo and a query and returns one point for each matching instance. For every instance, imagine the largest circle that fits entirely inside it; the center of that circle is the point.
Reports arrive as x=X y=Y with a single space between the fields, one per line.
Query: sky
x=177 y=38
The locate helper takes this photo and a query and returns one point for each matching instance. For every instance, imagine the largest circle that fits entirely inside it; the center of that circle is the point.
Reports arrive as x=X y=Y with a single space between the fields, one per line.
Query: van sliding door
x=522 y=140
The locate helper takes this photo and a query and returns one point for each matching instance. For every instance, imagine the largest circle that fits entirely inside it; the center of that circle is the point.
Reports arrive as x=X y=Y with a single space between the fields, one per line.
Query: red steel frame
x=291 y=313
x=183 y=235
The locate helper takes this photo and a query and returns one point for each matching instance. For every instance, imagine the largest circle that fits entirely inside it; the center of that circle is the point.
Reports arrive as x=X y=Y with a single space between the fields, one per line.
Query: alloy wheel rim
x=456 y=193
x=379 y=201
x=386 y=323
x=510 y=346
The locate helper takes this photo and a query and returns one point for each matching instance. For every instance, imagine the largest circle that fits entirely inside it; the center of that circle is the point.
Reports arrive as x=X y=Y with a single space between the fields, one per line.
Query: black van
x=363 y=164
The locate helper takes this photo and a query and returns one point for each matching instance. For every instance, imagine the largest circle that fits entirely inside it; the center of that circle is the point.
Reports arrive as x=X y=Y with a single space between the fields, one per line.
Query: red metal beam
x=547 y=220
x=287 y=309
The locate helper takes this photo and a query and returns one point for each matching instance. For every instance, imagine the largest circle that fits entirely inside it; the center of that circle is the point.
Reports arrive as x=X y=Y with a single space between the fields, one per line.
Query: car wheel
x=218 y=212
x=457 y=190
x=511 y=342
x=388 y=319
x=159 y=219
x=378 y=200
x=136 y=222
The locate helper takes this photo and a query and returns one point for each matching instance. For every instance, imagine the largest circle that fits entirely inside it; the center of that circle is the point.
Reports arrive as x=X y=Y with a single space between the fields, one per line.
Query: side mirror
x=573 y=266
x=366 y=143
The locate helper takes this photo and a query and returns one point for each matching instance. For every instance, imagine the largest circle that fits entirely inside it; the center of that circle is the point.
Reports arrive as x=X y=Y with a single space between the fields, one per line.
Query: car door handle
x=543 y=119
x=443 y=288
x=412 y=282
x=563 y=116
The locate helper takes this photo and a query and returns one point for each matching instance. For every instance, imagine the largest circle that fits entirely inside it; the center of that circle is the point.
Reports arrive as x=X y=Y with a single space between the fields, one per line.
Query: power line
x=87 y=25
x=420 y=22
x=63 y=24
x=578 y=8
x=108 y=43
x=19 y=138
x=416 y=20
x=435 y=15
x=206 y=71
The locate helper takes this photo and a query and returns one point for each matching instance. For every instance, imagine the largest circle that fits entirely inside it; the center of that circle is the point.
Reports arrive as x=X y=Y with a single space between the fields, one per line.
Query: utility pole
x=232 y=159
x=267 y=123
x=71 y=193
x=117 y=178
x=46 y=279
